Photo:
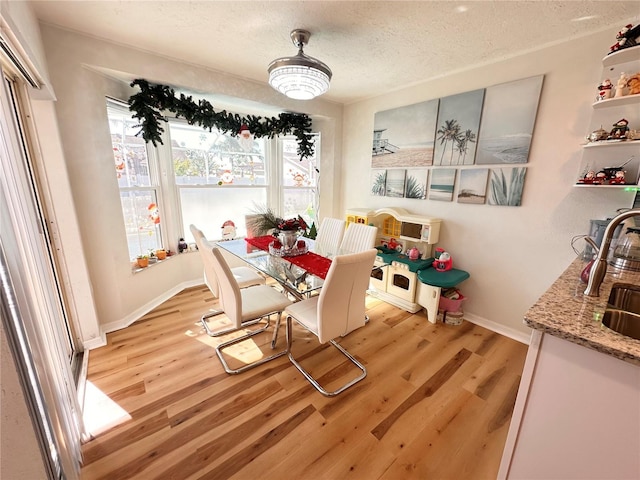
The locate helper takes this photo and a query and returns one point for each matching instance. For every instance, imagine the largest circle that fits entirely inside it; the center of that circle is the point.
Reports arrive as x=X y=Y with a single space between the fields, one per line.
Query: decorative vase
x=288 y=238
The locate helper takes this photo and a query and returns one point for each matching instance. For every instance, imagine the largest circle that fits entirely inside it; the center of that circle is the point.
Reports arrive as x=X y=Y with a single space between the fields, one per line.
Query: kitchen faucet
x=599 y=267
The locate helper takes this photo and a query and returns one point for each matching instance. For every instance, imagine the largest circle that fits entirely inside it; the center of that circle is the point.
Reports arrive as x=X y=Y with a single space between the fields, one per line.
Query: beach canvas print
x=508 y=119
x=505 y=186
x=404 y=136
x=473 y=185
x=442 y=183
x=416 y=183
x=378 y=182
x=457 y=129
x=395 y=183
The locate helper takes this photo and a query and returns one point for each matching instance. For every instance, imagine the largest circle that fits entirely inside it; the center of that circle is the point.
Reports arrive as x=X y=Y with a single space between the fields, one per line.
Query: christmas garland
x=153 y=99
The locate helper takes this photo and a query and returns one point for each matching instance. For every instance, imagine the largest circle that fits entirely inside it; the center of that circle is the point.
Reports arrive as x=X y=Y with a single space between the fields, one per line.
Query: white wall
x=77 y=65
x=512 y=253
x=21 y=27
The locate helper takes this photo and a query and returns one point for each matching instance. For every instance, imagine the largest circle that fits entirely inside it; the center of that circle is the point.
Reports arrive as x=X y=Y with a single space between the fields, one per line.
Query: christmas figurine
x=619 y=131
x=628 y=36
x=621 y=86
x=604 y=89
x=228 y=230
x=245 y=138
x=618 y=178
x=154 y=214
x=589 y=178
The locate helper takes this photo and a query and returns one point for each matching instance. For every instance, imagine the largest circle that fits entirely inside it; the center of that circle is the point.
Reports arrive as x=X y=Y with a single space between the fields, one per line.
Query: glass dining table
x=299 y=275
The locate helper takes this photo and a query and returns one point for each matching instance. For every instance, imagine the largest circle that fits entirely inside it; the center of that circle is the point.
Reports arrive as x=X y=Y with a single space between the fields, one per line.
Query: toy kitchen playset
x=410 y=273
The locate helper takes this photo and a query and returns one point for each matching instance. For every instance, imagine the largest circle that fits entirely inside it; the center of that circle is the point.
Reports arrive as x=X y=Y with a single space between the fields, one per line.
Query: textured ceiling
x=371 y=47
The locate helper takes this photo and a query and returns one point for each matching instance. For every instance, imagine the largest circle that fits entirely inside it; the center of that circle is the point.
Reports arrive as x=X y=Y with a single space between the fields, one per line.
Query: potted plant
x=142 y=261
x=161 y=254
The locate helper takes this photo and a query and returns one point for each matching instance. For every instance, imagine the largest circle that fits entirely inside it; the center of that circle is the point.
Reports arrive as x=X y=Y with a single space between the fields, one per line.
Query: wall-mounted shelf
x=622 y=56
x=617 y=102
x=631 y=188
x=607 y=143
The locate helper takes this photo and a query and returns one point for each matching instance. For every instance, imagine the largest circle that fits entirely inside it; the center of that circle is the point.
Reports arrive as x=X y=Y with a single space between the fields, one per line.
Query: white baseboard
x=517 y=335
x=137 y=314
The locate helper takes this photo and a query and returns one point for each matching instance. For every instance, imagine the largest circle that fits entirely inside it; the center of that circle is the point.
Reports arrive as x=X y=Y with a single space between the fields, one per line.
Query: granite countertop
x=563 y=311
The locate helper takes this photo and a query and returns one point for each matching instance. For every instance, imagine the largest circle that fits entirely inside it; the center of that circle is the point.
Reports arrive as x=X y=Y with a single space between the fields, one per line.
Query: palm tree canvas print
x=457 y=130
x=395 y=183
x=404 y=136
x=505 y=186
x=508 y=118
x=442 y=183
x=473 y=185
x=415 y=185
x=378 y=182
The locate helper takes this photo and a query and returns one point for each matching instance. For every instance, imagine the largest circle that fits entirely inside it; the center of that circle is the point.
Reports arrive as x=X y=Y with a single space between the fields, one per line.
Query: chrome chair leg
x=233 y=341
x=219 y=333
x=276 y=329
x=312 y=380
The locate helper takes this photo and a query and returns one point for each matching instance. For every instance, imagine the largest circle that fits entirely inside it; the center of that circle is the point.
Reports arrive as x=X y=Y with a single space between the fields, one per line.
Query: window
x=218 y=177
x=138 y=182
x=299 y=181
x=205 y=178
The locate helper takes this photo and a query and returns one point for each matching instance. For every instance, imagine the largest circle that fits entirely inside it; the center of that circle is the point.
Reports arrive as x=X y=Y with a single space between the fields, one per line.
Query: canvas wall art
x=395 y=183
x=505 y=186
x=473 y=185
x=442 y=183
x=378 y=182
x=457 y=128
x=404 y=136
x=508 y=118
x=415 y=185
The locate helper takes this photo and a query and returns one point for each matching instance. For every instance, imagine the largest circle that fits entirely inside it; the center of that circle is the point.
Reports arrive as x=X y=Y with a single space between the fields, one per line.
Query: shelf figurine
x=618 y=178
x=604 y=89
x=598 y=135
x=628 y=36
x=634 y=84
x=621 y=86
x=619 y=131
x=588 y=179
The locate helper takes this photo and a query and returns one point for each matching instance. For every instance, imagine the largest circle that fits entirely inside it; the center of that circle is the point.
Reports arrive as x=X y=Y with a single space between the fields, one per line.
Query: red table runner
x=311 y=262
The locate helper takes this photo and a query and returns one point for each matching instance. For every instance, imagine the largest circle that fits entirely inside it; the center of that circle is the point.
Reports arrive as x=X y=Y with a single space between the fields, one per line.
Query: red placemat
x=311 y=262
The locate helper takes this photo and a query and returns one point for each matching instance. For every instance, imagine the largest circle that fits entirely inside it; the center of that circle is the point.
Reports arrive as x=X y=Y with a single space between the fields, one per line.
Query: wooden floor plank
x=436 y=402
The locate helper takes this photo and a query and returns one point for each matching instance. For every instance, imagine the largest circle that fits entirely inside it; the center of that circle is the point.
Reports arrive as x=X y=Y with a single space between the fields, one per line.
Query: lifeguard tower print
x=404 y=136
x=381 y=145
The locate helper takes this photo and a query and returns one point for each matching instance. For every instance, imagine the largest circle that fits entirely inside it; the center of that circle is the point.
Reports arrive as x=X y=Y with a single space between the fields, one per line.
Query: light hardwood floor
x=436 y=403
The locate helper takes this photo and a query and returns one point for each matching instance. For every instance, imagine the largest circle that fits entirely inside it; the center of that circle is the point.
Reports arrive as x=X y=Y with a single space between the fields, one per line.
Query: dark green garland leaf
x=147 y=107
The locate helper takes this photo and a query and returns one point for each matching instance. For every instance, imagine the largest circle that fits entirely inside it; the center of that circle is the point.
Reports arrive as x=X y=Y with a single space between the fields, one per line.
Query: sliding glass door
x=32 y=305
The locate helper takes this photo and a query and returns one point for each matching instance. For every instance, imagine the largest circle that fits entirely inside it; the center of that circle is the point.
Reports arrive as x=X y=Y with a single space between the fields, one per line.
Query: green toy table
x=431 y=284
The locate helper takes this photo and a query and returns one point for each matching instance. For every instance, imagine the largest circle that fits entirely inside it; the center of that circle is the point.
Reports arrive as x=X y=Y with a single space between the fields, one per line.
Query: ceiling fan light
x=300 y=77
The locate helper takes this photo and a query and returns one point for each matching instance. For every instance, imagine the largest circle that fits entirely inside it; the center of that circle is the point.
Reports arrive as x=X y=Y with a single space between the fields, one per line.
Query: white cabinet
x=606 y=154
x=577 y=415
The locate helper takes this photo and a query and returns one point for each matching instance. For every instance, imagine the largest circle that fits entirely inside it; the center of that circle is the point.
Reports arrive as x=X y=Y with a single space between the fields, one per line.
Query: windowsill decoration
x=147 y=107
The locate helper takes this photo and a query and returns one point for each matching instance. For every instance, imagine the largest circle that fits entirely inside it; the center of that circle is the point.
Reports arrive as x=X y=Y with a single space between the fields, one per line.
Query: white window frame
x=153 y=164
x=280 y=172
x=168 y=191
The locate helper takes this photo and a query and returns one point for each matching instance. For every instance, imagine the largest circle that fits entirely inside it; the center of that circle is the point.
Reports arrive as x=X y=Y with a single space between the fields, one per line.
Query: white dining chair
x=245 y=307
x=358 y=237
x=329 y=236
x=244 y=276
x=339 y=309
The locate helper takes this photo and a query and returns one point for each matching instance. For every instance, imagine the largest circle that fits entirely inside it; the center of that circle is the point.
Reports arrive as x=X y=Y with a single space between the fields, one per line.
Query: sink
x=622 y=314
x=625 y=297
x=625 y=323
